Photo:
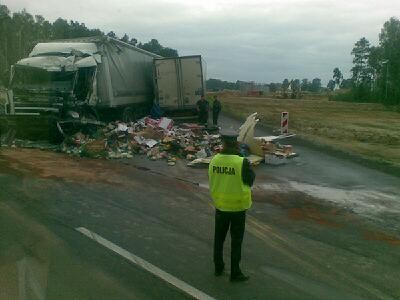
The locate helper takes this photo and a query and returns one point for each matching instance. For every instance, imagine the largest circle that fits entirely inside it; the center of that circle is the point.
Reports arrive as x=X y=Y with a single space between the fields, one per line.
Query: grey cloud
x=248 y=40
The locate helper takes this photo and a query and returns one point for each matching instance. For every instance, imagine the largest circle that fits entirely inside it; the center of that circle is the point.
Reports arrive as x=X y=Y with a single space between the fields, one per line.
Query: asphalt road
x=321 y=227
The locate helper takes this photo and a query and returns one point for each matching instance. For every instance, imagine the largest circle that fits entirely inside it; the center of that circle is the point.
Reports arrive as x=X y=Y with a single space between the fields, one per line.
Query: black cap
x=229 y=135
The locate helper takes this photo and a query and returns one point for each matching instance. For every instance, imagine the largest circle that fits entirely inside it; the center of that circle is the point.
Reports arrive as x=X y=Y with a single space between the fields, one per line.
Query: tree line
x=375 y=75
x=219 y=85
x=305 y=84
x=20 y=31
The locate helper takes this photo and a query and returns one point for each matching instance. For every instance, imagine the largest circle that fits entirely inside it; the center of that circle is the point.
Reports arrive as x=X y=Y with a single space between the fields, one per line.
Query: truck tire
x=89 y=113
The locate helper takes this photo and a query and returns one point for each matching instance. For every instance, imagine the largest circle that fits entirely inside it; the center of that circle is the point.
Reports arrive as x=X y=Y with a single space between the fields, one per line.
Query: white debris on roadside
x=267 y=147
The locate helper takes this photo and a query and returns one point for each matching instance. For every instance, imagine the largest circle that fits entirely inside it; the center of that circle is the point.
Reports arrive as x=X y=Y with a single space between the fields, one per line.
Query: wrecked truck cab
x=111 y=76
x=80 y=81
x=52 y=81
x=52 y=85
x=37 y=91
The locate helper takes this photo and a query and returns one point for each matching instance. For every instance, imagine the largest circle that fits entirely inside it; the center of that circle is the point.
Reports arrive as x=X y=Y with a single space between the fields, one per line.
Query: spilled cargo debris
x=158 y=139
x=267 y=147
x=161 y=139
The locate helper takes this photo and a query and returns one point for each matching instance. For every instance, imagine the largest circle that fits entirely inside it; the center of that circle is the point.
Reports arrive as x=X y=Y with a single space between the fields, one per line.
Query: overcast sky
x=264 y=41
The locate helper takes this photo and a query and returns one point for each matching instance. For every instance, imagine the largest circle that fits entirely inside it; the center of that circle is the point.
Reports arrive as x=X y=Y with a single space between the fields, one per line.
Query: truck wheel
x=90 y=114
x=128 y=115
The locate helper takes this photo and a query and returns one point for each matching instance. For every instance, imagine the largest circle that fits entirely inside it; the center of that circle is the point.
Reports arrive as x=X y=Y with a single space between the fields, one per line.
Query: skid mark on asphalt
x=316 y=266
x=181 y=285
x=311 y=287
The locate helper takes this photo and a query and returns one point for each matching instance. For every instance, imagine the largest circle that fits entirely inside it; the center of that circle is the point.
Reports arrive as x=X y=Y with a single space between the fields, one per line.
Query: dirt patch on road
x=313 y=214
x=301 y=207
x=381 y=237
x=57 y=166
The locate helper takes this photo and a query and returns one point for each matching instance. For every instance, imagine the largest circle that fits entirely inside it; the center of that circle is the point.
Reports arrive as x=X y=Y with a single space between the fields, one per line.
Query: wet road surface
x=320 y=228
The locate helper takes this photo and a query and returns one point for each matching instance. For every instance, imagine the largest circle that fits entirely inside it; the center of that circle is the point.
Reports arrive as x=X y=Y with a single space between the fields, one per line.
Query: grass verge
x=368 y=131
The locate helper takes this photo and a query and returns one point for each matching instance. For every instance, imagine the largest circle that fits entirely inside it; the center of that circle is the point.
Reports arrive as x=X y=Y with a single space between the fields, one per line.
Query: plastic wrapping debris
x=200 y=162
x=246 y=131
x=201 y=154
x=122 y=127
x=166 y=123
x=151 y=143
x=246 y=135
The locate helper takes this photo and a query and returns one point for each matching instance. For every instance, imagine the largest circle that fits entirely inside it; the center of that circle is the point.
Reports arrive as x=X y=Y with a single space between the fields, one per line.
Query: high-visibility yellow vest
x=226 y=185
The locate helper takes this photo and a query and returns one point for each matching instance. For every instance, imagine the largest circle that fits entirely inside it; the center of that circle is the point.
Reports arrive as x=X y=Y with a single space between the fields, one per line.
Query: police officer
x=230 y=179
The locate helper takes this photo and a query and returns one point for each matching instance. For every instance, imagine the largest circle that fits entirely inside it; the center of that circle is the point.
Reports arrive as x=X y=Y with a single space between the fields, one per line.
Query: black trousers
x=203 y=117
x=236 y=222
x=215 y=118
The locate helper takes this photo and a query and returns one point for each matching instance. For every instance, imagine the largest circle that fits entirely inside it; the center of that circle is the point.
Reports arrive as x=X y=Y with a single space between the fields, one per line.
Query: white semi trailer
x=179 y=84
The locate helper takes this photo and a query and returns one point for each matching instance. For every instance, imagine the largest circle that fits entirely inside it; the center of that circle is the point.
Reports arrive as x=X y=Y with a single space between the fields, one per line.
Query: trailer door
x=191 y=80
x=167 y=83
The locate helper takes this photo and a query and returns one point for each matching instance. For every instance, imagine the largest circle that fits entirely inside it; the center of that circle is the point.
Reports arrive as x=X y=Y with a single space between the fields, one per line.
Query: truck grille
x=35 y=106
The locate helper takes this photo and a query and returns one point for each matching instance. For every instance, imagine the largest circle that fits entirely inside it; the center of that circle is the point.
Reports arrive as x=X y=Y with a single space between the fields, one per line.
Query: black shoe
x=239 y=278
x=219 y=272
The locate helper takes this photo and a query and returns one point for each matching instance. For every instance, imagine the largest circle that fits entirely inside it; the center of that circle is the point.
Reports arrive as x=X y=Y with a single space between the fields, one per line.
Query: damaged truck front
x=53 y=84
x=73 y=82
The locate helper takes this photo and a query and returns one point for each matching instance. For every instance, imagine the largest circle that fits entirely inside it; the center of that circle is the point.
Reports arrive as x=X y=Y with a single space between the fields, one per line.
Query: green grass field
x=369 y=130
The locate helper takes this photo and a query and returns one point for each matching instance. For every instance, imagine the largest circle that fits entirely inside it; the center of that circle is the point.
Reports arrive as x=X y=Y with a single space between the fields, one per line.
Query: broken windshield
x=34 y=78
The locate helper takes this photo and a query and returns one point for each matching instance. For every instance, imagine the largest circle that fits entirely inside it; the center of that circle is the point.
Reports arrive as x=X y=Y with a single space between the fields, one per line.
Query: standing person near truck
x=230 y=180
x=216 y=109
x=202 y=110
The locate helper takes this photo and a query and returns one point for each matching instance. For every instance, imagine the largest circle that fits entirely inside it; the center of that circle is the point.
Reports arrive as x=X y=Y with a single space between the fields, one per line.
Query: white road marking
x=183 y=286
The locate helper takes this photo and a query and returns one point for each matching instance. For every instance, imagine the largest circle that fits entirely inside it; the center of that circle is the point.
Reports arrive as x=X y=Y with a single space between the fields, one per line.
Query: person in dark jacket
x=216 y=109
x=202 y=110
